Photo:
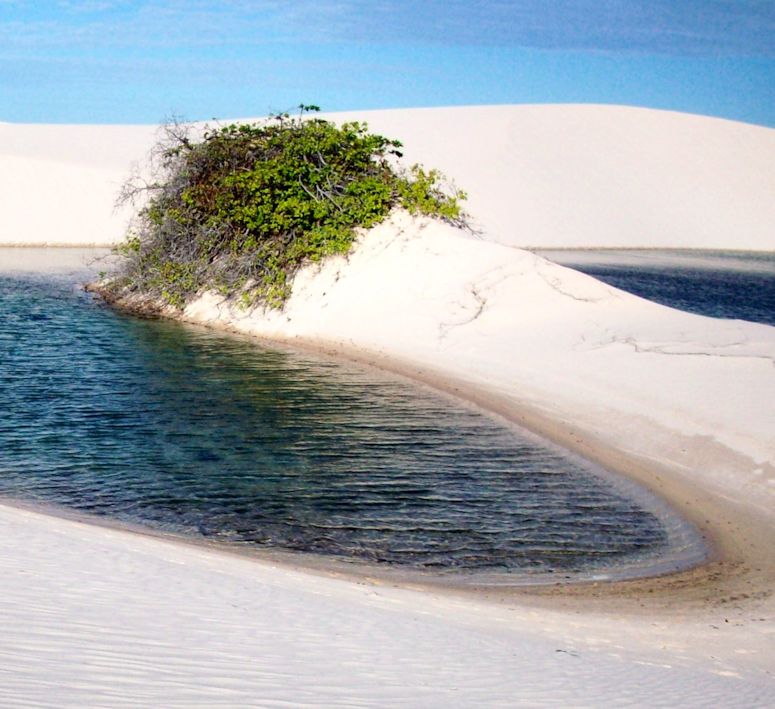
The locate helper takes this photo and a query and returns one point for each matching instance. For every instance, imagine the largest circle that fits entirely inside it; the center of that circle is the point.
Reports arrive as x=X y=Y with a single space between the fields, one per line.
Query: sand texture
x=96 y=617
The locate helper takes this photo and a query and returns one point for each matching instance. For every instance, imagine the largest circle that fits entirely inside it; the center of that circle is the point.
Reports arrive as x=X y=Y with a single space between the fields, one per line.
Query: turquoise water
x=212 y=436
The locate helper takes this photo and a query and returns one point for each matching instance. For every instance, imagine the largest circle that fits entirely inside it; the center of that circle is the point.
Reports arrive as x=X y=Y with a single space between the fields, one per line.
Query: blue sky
x=96 y=61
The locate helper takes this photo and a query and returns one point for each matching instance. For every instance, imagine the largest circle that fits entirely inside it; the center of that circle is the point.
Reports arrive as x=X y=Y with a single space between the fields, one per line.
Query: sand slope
x=60 y=183
x=570 y=175
x=548 y=176
x=669 y=386
x=96 y=617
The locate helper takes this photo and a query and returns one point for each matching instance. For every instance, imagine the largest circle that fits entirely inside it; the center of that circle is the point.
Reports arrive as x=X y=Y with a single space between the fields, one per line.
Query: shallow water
x=722 y=284
x=209 y=435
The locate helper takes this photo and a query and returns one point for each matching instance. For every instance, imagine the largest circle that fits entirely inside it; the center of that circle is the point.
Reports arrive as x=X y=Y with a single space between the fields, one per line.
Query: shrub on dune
x=242 y=209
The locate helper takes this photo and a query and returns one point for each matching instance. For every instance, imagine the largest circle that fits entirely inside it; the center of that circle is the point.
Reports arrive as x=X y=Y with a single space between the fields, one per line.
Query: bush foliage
x=242 y=209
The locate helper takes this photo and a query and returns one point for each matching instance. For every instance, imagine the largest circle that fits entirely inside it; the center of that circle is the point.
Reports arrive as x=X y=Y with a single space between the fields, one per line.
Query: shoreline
x=449 y=579
x=734 y=567
x=739 y=560
x=734 y=564
x=733 y=570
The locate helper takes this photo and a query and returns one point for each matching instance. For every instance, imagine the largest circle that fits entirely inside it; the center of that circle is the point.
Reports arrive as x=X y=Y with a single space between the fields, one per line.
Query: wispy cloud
x=92 y=25
x=139 y=59
x=689 y=27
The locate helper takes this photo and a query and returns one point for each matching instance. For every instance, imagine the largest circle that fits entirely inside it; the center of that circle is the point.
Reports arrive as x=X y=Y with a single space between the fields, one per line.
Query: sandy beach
x=679 y=402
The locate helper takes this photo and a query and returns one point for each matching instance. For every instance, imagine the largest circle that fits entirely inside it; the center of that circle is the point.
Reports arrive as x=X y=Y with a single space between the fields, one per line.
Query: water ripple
x=198 y=433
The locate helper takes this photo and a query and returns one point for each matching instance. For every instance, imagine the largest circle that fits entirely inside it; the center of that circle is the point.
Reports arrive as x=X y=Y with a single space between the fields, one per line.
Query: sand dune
x=548 y=176
x=583 y=176
x=60 y=183
x=681 y=402
x=520 y=327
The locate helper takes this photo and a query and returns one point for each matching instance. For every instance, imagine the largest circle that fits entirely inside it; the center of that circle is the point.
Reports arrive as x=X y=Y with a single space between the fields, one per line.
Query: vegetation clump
x=242 y=209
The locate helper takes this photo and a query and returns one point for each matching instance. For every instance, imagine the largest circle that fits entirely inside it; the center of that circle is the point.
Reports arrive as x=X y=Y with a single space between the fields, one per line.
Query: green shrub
x=242 y=209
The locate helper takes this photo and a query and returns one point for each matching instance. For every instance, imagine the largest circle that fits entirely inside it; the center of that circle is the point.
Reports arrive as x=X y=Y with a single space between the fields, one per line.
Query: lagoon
x=214 y=437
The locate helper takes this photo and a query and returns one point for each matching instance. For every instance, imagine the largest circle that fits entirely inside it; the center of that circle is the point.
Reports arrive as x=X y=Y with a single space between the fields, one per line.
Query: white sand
x=548 y=176
x=583 y=176
x=628 y=371
x=60 y=183
x=103 y=617
x=95 y=617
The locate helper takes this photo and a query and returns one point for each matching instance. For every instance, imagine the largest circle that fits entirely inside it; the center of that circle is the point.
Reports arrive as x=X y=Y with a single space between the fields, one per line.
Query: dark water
x=203 y=434
x=718 y=284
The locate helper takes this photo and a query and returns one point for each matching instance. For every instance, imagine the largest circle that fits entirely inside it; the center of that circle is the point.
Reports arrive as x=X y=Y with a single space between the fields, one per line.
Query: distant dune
x=543 y=176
